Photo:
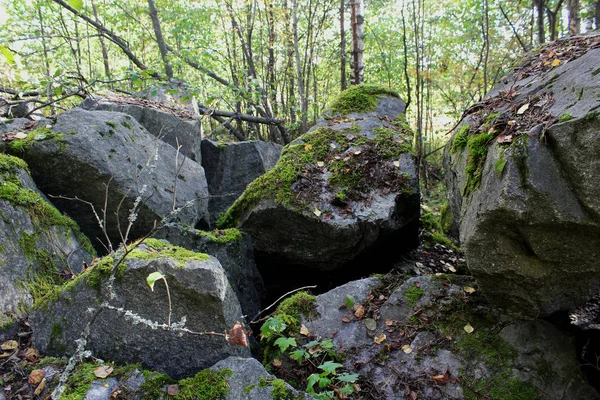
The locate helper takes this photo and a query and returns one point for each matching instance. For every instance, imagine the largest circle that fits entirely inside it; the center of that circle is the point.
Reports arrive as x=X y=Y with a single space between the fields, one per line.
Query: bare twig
x=254 y=320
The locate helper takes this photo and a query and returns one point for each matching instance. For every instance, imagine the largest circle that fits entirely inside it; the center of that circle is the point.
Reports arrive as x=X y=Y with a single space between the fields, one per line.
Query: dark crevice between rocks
x=587 y=344
x=281 y=277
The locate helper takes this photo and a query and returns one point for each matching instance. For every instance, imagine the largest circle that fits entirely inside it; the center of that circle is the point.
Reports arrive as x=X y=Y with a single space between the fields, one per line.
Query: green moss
x=446 y=217
x=592 y=116
x=79 y=382
x=279 y=389
x=126 y=125
x=478 y=148
x=159 y=249
x=565 y=117
x=223 y=235
x=460 y=139
x=390 y=144
x=359 y=99
x=205 y=385
x=298 y=305
x=102 y=270
x=152 y=388
x=111 y=124
x=499 y=165
x=413 y=295
x=20 y=146
x=491 y=117
x=519 y=153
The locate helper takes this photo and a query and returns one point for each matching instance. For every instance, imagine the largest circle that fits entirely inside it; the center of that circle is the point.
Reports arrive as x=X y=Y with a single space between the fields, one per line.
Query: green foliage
x=446 y=217
x=20 y=146
x=359 y=99
x=205 y=385
x=223 y=235
x=565 y=117
x=152 y=388
x=461 y=139
x=478 y=148
x=413 y=295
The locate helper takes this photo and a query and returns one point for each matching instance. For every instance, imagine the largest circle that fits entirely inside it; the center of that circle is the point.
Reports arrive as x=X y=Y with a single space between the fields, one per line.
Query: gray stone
x=36 y=241
x=127 y=322
x=100 y=148
x=230 y=167
x=235 y=255
x=101 y=390
x=547 y=357
x=326 y=224
x=245 y=380
x=535 y=225
x=167 y=125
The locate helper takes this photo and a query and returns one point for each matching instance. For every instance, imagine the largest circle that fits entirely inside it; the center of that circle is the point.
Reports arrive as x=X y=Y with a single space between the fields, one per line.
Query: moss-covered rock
x=346 y=186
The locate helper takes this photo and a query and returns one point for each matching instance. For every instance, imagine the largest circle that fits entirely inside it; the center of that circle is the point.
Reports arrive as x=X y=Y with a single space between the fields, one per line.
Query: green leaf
x=348 y=378
x=349 y=302
x=272 y=326
x=76 y=4
x=310 y=382
x=152 y=278
x=285 y=343
x=7 y=54
x=312 y=343
x=299 y=354
x=327 y=344
x=324 y=382
x=58 y=91
x=329 y=366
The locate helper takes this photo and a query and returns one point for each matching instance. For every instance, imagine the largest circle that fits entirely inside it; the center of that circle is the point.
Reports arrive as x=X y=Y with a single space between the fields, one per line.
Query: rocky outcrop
x=522 y=173
x=173 y=126
x=235 y=253
x=230 y=167
x=344 y=189
x=38 y=244
x=122 y=319
x=109 y=160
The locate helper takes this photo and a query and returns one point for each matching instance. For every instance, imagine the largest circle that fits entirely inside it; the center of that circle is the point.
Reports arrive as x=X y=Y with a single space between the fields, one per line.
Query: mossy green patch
x=152 y=388
x=413 y=295
x=20 y=146
x=433 y=231
x=390 y=144
x=519 y=153
x=565 y=117
x=298 y=305
x=279 y=389
x=461 y=139
x=500 y=164
x=478 y=148
x=223 y=235
x=446 y=217
x=359 y=99
x=205 y=385
x=159 y=249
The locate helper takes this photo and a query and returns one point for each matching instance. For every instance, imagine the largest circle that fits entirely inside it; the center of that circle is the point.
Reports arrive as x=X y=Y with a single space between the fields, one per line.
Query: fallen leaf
x=511 y=122
x=407 y=349
x=277 y=362
x=173 y=390
x=370 y=324
x=40 y=387
x=320 y=163
x=418 y=284
x=308 y=147
x=237 y=335
x=317 y=212
x=469 y=289
x=413 y=395
x=4 y=355
x=10 y=345
x=523 y=108
x=304 y=330
x=346 y=319
x=103 y=371
x=451 y=268
x=397 y=164
x=441 y=378
x=502 y=138
x=20 y=135
x=36 y=376
x=359 y=311
x=380 y=339
x=468 y=328
x=389 y=322
x=357 y=152
x=32 y=354
x=556 y=62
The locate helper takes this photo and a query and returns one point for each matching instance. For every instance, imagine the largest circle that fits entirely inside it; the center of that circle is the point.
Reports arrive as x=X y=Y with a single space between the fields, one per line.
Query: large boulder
x=37 y=243
x=109 y=160
x=522 y=173
x=345 y=189
x=174 y=126
x=112 y=310
x=234 y=251
x=230 y=167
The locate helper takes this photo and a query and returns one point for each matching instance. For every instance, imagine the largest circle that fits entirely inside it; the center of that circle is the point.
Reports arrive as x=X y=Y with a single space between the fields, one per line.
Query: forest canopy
x=279 y=61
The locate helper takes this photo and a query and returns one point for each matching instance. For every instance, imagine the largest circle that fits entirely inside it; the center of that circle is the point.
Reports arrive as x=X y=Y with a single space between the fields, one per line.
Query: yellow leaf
x=511 y=122
x=451 y=268
x=10 y=345
x=320 y=163
x=556 y=62
x=469 y=289
x=523 y=108
x=468 y=328
x=304 y=330
x=380 y=339
x=317 y=212
x=277 y=362
x=308 y=147
x=36 y=376
x=407 y=349
x=397 y=164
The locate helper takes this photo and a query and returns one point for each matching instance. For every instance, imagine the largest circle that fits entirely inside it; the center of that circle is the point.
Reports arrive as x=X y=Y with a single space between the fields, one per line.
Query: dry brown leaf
x=4 y=355
x=277 y=362
x=103 y=371
x=389 y=322
x=32 y=354
x=407 y=349
x=40 y=387
x=36 y=376
x=359 y=311
x=380 y=339
x=397 y=164
x=441 y=378
x=304 y=330
x=237 y=335
x=173 y=390
x=346 y=319
x=10 y=345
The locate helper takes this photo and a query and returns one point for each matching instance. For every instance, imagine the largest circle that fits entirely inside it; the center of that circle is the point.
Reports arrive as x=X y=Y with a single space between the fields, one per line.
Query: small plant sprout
x=151 y=279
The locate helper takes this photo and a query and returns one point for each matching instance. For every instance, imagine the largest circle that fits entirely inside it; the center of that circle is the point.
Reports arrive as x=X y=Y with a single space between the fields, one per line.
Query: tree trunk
x=299 y=74
x=159 y=39
x=343 y=82
x=358 y=42
x=539 y=6
x=574 y=17
x=597 y=15
x=103 y=46
x=49 y=89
